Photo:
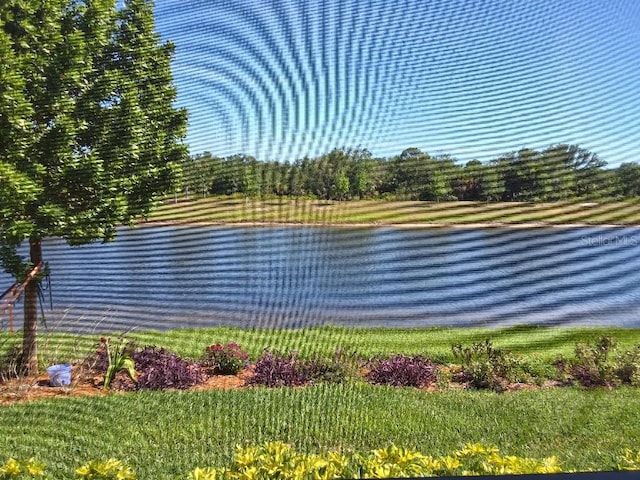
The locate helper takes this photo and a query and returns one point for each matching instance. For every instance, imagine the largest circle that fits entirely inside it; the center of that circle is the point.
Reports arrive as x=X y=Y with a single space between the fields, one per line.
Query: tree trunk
x=30 y=330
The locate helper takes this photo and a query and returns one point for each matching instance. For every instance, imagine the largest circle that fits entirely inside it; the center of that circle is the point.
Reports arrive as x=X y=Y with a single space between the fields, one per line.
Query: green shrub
x=593 y=365
x=486 y=367
x=534 y=369
x=329 y=370
x=628 y=366
x=280 y=460
x=562 y=373
x=629 y=460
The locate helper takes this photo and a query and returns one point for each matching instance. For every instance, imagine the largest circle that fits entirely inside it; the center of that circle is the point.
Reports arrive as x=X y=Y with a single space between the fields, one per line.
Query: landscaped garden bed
x=122 y=366
x=572 y=401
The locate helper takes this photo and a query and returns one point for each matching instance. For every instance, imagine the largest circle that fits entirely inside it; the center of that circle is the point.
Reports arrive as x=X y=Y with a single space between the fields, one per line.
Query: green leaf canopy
x=89 y=136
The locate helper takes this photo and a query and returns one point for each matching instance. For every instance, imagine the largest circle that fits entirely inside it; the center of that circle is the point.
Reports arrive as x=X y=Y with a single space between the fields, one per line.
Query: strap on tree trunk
x=13 y=294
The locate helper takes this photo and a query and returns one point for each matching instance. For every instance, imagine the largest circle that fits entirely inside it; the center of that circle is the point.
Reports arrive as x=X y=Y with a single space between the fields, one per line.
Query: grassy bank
x=230 y=210
x=546 y=342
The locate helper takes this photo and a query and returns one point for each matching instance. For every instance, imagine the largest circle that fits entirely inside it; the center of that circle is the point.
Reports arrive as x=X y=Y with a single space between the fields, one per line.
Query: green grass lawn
x=233 y=210
x=162 y=435
x=165 y=434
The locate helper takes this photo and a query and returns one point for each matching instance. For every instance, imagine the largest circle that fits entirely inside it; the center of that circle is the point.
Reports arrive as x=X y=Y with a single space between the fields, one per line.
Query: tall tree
x=198 y=174
x=408 y=173
x=295 y=179
x=88 y=132
x=558 y=171
x=629 y=179
x=589 y=180
x=466 y=185
x=492 y=185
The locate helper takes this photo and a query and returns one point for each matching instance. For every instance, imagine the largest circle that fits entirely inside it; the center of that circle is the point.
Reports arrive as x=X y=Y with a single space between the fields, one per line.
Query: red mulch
x=85 y=382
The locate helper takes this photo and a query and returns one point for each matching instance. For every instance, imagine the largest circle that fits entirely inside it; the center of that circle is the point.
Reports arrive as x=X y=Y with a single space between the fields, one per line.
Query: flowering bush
x=226 y=359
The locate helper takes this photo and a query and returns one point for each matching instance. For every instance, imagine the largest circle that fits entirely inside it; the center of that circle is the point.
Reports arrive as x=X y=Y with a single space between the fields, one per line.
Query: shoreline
x=423 y=225
x=395 y=214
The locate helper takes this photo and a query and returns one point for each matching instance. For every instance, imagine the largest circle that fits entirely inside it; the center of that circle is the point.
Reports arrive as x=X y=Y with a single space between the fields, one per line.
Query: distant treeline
x=561 y=172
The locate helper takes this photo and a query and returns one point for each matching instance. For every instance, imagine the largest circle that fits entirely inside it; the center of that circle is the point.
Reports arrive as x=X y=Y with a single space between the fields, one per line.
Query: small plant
x=478 y=459
x=403 y=371
x=484 y=366
x=10 y=361
x=156 y=369
x=109 y=470
x=160 y=369
x=629 y=460
x=593 y=365
x=562 y=366
x=628 y=366
x=325 y=370
x=16 y=470
x=226 y=359
x=119 y=358
x=274 y=369
x=533 y=370
x=204 y=474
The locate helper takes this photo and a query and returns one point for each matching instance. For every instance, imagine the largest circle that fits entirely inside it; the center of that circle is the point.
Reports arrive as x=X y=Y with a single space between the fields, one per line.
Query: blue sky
x=281 y=80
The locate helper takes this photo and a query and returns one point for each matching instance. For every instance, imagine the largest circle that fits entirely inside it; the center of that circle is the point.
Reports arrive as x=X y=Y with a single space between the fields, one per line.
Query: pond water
x=164 y=277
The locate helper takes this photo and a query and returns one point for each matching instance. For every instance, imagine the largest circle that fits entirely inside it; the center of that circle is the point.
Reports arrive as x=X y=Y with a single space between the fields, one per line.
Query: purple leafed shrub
x=274 y=369
x=156 y=369
x=403 y=371
x=159 y=369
